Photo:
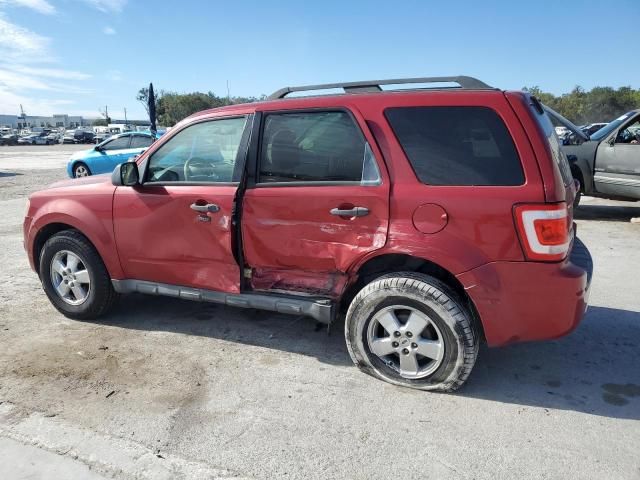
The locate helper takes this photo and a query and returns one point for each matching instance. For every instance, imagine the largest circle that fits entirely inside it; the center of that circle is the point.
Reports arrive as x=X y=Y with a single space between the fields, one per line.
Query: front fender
x=92 y=217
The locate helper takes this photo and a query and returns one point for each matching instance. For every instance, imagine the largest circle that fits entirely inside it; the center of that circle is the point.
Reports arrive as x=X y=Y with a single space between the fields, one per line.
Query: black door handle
x=209 y=207
x=352 y=212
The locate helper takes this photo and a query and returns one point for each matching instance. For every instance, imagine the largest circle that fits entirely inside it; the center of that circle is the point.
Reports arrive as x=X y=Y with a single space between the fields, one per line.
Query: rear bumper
x=524 y=301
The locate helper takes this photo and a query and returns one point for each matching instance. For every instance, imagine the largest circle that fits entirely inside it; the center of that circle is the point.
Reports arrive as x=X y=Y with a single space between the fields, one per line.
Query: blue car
x=104 y=157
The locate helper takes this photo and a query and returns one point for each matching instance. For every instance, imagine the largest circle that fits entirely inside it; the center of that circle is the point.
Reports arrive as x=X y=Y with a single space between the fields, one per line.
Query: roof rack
x=466 y=83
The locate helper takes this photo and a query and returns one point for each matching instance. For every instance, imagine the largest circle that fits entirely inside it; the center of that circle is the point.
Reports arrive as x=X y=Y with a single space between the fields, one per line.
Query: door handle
x=209 y=207
x=352 y=212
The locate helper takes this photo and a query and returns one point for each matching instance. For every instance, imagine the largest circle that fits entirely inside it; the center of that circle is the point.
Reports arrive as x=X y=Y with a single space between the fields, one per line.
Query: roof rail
x=466 y=83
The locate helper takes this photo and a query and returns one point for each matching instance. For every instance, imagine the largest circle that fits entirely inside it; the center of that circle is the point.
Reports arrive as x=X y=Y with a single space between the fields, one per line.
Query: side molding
x=320 y=309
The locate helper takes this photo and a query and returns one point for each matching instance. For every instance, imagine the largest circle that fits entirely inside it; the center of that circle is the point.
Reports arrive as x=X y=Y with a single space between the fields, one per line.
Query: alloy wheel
x=406 y=340
x=70 y=277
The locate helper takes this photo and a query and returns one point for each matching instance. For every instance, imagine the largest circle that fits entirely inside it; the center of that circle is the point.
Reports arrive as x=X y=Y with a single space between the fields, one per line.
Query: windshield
x=610 y=127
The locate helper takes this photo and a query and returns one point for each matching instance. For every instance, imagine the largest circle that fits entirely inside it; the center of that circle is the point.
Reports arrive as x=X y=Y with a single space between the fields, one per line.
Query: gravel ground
x=164 y=388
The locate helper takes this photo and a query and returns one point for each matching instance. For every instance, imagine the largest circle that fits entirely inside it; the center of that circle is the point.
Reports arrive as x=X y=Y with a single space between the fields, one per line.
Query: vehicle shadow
x=288 y=333
x=594 y=370
x=9 y=174
x=608 y=213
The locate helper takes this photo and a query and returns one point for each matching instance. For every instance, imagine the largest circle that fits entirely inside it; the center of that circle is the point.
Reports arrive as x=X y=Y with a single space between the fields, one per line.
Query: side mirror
x=126 y=174
x=612 y=141
x=97 y=148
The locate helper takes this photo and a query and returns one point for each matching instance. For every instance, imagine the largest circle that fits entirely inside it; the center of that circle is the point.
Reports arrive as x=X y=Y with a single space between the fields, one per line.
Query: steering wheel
x=202 y=166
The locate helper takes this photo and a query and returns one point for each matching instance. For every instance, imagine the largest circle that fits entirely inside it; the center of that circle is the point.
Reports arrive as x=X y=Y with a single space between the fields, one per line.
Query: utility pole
x=228 y=96
x=125 y=115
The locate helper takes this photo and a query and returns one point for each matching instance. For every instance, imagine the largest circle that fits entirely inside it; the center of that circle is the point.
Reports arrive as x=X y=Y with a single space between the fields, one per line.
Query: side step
x=321 y=309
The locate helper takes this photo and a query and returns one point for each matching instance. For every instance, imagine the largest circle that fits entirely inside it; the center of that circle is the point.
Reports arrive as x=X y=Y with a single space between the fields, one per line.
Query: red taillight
x=544 y=230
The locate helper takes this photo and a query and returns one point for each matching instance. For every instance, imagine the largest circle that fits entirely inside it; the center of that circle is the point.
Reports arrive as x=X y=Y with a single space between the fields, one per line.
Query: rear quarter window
x=457 y=145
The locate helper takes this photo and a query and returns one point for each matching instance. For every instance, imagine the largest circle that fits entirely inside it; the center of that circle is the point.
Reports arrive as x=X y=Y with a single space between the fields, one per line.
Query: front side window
x=315 y=147
x=119 y=143
x=141 y=141
x=203 y=152
x=630 y=134
x=457 y=145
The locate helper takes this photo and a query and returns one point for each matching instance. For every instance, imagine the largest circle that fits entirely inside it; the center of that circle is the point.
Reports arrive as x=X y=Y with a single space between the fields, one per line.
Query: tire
x=100 y=295
x=81 y=170
x=449 y=324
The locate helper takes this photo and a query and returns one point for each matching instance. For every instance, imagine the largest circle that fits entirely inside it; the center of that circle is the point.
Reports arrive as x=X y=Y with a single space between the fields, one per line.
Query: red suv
x=434 y=218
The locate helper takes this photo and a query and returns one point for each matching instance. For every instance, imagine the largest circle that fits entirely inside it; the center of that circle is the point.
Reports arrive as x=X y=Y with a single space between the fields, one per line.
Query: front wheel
x=81 y=170
x=409 y=329
x=74 y=277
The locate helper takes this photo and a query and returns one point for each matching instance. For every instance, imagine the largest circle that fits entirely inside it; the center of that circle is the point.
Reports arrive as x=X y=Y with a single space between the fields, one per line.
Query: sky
x=76 y=56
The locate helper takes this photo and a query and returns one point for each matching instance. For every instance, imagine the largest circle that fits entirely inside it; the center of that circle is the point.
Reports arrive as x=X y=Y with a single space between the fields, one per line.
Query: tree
x=100 y=122
x=143 y=97
x=600 y=104
x=171 y=107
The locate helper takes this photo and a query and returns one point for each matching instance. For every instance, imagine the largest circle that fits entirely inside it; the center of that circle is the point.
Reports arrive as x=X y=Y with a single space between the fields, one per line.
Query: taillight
x=544 y=230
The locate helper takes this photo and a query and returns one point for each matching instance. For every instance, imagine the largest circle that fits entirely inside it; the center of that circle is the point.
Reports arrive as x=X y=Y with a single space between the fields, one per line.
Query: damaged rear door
x=316 y=202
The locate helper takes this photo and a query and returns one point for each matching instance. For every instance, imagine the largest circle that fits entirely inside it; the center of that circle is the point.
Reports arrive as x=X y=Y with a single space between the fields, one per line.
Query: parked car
x=83 y=136
x=10 y=139
x=432 y=219
x=40 y=138
x=106 y=155
x=607 y=163
x=69 y=137
x=101 y=137
x=588 y=130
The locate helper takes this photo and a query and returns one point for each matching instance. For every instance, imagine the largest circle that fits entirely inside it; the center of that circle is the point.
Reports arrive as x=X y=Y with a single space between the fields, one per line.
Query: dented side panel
x=293 y=242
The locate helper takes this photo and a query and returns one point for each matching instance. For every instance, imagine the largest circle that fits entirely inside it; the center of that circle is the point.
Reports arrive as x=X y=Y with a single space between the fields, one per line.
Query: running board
x=320 y=309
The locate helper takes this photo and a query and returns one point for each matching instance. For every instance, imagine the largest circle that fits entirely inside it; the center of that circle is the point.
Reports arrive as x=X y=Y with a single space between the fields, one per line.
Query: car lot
x=162 y=388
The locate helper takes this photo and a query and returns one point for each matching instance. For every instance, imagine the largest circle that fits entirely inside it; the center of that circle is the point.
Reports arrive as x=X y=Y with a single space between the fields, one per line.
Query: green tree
x=600 y=104
x=99 y=122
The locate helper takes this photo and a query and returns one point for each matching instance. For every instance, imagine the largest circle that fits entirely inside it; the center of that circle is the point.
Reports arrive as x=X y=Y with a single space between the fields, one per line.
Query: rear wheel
x=409 y=329
x=74 y=276
x=81 y=170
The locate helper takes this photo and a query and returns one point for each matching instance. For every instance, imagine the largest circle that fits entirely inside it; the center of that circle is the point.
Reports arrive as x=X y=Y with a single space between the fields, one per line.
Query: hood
x=81 y=154
x=91 y=180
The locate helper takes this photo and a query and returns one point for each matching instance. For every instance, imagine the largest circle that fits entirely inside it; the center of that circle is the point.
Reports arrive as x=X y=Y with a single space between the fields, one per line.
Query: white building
x=58 y=120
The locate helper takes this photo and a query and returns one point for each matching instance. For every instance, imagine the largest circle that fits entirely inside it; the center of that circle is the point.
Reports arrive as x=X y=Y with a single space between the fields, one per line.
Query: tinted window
x=457 y=145
x=204 y=152
x=141 y=141
x=315 y=147
x=119 y=143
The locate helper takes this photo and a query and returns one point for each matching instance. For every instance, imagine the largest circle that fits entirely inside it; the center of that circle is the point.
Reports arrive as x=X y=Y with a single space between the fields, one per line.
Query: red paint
x=160 y=238
x=291 y=242
x=430 y=218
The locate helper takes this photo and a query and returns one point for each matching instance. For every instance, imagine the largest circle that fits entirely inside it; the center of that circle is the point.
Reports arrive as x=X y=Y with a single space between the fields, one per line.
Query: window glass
x=315 y=147
x=119 y=143
x=457 y=145
x=204 y=152
x=629 y=134
x=141 y=141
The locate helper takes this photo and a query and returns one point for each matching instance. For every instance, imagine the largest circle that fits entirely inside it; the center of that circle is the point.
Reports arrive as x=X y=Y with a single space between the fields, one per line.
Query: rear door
x=318 y=200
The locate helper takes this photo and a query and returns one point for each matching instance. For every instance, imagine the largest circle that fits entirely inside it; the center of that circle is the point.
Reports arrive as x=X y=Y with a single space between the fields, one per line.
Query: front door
x=319 y=202
x=618 y=162
x=176 y=228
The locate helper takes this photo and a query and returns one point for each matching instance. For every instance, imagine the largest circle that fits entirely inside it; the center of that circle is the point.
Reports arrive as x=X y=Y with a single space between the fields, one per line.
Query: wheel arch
x=398 y=262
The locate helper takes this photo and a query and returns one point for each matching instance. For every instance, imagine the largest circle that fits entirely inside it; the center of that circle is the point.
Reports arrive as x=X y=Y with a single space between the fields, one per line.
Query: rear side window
x=141 y=141
x=457 y=145
x=315 y=147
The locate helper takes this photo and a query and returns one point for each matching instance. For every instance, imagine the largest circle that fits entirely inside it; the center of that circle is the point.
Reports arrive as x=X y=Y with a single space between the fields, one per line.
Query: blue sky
x=75 y=56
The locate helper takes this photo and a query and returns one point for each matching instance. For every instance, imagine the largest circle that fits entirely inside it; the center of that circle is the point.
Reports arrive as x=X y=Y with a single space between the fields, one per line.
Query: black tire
x=79 y=165
x=431 y=297
x=101 y=295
